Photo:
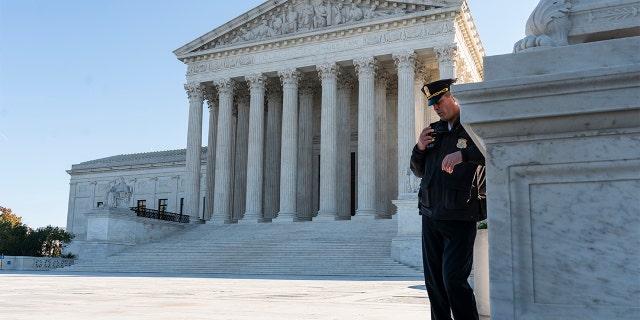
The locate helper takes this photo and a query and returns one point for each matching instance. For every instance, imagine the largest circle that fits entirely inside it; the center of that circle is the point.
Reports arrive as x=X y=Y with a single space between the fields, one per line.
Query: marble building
x=313 y=108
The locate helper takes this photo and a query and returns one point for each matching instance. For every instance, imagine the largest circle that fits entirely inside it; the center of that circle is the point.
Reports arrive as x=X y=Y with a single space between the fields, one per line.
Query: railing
x=160 y=215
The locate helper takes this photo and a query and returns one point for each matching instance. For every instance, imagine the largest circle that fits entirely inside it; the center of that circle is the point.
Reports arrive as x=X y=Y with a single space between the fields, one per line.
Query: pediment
x=280 y=19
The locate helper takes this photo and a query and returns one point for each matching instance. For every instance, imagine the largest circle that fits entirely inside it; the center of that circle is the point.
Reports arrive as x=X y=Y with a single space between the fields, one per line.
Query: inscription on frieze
x=374 y=39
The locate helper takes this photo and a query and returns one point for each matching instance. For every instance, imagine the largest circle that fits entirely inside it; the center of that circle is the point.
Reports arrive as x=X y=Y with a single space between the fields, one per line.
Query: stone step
x=346 y=248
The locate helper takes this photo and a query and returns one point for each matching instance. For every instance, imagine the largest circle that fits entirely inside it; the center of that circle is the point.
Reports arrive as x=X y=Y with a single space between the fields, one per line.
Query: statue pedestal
x=560 y=129
x=112 y=230
x=406 y=247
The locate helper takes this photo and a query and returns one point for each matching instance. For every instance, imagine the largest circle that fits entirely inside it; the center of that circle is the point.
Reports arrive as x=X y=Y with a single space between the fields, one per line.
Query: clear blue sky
x=82 y=80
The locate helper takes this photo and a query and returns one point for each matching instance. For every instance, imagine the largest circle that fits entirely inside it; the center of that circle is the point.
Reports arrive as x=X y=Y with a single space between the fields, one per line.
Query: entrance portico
x=345 y=70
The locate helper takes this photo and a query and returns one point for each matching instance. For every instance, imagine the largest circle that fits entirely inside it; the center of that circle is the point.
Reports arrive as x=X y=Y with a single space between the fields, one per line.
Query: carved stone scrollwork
x=382 y=77
x=195 y=91
x=328 y=71
x=422 y=73
x=446 y=54
x=274 y=89
x=307 y=86
x=346 y=82
x=289 y=77
x=211 y=96
x=256 y=81
x=225 y=86
x=405 y=59
x=548 y=26
x=243 y=96
x=366 y=66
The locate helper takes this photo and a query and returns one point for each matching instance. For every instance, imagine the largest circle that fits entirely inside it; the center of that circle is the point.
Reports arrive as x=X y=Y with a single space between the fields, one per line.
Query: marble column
x=366 y=69
x=405 y=62
x=224 y=165
x=305 y=175
x=71 y=204
x=346 y=83
x=447 y=60
x=273 y=147
x=420 y=105
x=392 y=143
x=289 y=156
x=382 y=174
x=241 y=149
x=328 y=74
x=211 y=95
x=255 y=152
x=194 y=150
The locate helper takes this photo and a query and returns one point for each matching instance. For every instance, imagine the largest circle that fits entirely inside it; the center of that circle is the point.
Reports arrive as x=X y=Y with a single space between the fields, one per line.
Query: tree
x=51 y=240
x=16 y=239
x=13 y=234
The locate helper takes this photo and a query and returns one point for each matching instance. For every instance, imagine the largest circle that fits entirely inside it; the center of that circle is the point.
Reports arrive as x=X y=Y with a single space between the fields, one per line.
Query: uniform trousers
x=447 y=254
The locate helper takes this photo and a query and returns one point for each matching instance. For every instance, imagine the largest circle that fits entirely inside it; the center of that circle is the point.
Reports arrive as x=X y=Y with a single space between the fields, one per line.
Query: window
x=100 y=204
x=142 y=204
x=162 y=205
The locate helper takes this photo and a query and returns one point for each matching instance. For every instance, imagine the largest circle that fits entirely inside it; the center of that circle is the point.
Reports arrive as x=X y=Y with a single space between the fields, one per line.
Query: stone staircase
x=332 y=248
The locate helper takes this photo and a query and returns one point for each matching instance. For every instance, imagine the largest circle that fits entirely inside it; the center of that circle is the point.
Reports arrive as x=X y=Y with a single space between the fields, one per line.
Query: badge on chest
x=462 y=143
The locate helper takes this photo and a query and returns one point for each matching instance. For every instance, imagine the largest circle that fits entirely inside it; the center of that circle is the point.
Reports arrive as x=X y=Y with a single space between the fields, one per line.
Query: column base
x=324 y=218
x=326 y=215
x=286 y=217
x=363 y=217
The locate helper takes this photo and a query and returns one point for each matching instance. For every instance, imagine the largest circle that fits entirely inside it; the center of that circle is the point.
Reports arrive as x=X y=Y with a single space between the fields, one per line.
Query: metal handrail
x=160 y=215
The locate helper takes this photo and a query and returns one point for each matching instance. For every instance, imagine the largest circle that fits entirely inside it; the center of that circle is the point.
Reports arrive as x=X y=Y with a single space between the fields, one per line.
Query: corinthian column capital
x=195 y=91
x=446 y=54
x=225 y=86
x=289 y=77
x=274 y=89
x=346 y=82
x=211 y=95
x=405 y=59
x=256 y=81
x=328 y=71
x=382 y=78
x=366 y=66
x=307 y=86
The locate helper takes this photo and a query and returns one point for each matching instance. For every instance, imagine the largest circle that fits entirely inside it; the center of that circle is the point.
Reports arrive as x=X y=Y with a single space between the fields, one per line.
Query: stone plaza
x=64 y=296
x=314 y=107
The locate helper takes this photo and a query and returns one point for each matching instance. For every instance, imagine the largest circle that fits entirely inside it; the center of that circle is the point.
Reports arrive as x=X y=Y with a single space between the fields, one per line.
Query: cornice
x=471 y=37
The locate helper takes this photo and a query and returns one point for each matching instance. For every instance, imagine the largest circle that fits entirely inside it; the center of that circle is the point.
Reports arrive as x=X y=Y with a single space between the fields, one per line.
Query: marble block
x=560 y=128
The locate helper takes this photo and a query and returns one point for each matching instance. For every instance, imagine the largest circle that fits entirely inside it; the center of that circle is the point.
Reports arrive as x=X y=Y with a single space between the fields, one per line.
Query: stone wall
x=25 y=263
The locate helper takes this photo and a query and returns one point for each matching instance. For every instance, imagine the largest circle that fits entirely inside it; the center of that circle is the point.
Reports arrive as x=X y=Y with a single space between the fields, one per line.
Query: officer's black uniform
x=450 y=205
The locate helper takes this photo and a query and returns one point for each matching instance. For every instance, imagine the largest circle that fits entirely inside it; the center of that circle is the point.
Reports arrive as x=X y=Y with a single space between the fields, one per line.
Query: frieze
x=380 y=38
x=219 y=64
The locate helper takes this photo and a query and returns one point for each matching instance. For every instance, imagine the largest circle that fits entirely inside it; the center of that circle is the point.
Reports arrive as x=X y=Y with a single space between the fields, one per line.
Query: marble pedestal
x=560 y=128
x=112 y=230
x=406 y=247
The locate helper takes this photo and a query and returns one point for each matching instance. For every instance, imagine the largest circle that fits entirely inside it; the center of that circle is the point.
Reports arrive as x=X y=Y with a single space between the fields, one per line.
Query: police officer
x=451 y=201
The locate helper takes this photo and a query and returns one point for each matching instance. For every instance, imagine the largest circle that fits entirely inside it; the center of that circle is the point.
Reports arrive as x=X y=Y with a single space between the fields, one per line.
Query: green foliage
x=482 y=224
x=16 y=239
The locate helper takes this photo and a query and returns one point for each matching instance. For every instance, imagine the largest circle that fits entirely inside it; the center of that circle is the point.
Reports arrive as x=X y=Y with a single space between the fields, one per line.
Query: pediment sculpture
x=304 y=16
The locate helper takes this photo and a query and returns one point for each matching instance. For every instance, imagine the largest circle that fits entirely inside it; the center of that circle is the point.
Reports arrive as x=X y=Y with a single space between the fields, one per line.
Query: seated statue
x=119 y=194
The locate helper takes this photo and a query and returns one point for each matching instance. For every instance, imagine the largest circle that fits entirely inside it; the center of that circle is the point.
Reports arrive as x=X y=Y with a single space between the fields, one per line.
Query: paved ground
x=51 y=295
